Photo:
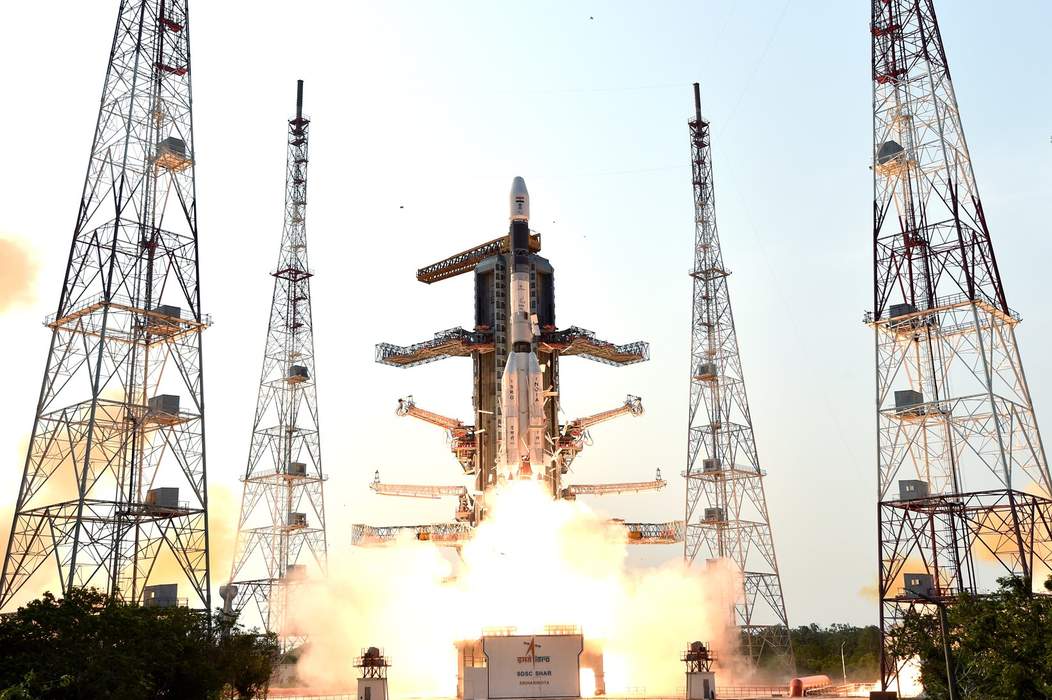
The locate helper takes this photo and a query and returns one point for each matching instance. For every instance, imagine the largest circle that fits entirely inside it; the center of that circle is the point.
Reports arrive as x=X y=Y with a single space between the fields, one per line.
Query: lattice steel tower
x=114 y=481
x=955 y=422
x=283 y=508
x=726 y=509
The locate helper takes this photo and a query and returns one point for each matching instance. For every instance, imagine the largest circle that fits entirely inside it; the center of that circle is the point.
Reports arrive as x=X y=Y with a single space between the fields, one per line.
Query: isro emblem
x=533 y=666
x=533 y=659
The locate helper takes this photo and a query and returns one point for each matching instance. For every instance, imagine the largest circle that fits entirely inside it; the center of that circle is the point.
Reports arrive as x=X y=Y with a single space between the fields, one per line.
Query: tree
x=88 y=646
x=247 y=659
x=1001 y=644
x=817 y=651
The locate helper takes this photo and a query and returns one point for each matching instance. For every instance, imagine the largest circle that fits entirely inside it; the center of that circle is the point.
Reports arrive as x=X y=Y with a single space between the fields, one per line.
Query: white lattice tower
x=963 y=482
x=115 y=477
x=726 y=508
x=281 y=541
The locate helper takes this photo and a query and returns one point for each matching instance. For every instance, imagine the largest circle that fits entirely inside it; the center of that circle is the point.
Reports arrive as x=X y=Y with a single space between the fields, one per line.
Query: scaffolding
x=281 y=529
x=475 y=443
x=726 y=506
x=963 y=480
x=120 y=415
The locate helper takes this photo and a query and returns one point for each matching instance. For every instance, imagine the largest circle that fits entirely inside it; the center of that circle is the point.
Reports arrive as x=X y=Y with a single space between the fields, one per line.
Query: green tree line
x=817 y=651
x=1001 y=644
x=88 y=646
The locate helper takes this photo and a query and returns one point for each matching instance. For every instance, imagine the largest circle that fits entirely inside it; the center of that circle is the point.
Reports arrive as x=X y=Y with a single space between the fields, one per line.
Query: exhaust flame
x=908 y=684
x=534 y=562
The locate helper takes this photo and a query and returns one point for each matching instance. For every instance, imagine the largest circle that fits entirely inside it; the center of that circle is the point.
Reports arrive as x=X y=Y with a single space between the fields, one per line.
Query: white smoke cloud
x=533 y=562
x=18 y=272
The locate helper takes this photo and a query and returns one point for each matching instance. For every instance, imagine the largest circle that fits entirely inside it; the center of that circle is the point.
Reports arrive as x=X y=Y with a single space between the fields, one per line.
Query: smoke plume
x=18 y=272
x=534 y=562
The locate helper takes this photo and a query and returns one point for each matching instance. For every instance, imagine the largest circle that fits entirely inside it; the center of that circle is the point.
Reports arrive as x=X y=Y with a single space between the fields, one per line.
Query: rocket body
x=522 y=410
x=521 y=451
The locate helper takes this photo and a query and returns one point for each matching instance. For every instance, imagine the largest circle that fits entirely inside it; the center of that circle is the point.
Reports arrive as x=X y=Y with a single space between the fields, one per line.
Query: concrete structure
x=918 y=585
x=911 y=489
x=505 y=666
x=162 y=595
x=164 y=403
x=701 y=681
x=163 y=497
x=372 y=684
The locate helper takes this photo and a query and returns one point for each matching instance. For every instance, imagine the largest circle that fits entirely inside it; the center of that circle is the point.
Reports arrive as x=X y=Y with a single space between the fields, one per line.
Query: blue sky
x=434 y=107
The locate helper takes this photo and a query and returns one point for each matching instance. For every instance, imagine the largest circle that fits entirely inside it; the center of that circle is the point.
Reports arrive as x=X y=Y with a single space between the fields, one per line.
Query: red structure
x=963 y=479
x=799 y=687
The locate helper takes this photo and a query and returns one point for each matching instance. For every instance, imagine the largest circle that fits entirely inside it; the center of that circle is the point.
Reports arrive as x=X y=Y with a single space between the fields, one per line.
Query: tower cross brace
x=114 y=487
x=281 y=540
x=963 y=481
x=726 y=507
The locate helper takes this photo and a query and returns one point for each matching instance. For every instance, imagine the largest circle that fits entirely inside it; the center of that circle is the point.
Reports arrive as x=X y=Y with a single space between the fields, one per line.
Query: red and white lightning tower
x=726 y=509
x=963 y=482
x=114 y=480
x=283 y=506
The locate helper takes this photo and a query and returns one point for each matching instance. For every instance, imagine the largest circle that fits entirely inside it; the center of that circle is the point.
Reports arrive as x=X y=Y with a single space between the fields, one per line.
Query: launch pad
x=502 y=665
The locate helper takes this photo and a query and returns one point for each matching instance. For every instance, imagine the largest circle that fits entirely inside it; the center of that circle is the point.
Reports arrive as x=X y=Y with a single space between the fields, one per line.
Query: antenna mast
x=283 y=505
x=726 y=508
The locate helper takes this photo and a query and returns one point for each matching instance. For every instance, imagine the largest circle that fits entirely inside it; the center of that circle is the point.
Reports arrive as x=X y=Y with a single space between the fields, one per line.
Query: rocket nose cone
x=520 y=200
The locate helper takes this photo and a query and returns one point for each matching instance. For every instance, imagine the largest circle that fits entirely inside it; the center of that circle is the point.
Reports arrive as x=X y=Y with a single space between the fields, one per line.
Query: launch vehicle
x=520 y=451
x=516 y=350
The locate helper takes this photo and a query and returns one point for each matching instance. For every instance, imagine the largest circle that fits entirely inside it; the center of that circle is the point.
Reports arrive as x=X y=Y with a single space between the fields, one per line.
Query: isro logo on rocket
x=531 y=656
x=520 y=200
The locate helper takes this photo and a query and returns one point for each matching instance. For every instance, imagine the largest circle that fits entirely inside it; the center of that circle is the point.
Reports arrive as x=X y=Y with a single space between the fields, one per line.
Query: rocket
x=520 y=454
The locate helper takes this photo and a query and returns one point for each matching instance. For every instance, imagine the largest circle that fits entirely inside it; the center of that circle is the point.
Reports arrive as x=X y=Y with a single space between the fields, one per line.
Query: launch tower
x=963 y=482
x=516 y=411
x=726 y=507
x=114 y=485
x=283 y=506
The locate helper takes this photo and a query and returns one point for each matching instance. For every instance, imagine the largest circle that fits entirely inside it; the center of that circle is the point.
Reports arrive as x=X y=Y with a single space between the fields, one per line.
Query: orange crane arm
x=465 y=261
x=655 y=533
x=465 y=500
x=456 y=534
x=572 y=439
x=448 y=534
x=417 y=490
x=622 y=487
x=632 y=404
x=463 y=440
x=408 y=407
